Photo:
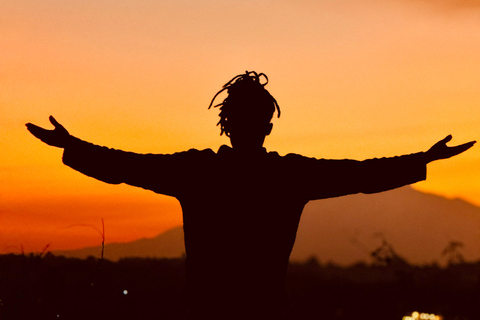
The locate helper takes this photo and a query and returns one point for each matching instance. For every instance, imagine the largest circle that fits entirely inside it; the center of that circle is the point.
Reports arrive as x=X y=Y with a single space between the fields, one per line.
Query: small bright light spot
x=427 y=316
x=422 y=316
x=58 y=316
x=125 y=292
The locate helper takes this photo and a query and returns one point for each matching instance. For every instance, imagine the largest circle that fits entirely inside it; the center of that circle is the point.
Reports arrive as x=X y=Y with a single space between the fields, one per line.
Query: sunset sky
x=353 y=78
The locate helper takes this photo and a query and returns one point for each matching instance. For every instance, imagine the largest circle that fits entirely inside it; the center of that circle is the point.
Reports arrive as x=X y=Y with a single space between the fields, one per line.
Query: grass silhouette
x=43 y=286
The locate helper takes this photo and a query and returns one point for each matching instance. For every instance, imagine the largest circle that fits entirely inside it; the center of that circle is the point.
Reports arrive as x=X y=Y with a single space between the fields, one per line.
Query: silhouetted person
x=241 y=205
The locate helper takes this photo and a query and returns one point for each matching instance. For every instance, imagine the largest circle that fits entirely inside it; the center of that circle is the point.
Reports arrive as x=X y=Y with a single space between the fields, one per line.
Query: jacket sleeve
x=156 y=172
x=332 y=178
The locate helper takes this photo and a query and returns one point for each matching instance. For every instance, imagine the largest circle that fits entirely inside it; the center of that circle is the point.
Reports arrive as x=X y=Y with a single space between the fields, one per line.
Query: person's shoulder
x=202 y=151
x=191 y=157
x=297 y=157
x=291 y=159
x=196 y=153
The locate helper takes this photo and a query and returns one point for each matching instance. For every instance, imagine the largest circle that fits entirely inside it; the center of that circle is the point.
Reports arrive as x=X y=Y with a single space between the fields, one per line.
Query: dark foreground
x=50 y=287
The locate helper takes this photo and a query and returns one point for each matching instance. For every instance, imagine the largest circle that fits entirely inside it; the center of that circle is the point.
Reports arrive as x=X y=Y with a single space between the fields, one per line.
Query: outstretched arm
x=440 y=150
x=58 y=137
x=334 y=178
x=157 y=172
x=102 y=163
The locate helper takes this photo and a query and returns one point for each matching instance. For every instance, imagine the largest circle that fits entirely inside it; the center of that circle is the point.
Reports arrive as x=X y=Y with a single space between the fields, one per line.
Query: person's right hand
x=57 y=137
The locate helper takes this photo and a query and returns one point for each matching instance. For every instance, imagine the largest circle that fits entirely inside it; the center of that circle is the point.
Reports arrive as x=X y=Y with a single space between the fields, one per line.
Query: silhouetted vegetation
x=51 y=287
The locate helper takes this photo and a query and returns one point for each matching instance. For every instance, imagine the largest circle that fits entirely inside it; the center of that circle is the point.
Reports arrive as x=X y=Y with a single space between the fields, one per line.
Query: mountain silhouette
x=419 y=226
x=346 y=230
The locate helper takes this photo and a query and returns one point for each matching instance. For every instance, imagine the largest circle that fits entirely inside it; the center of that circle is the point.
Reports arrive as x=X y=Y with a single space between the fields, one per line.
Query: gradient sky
x=354 y=79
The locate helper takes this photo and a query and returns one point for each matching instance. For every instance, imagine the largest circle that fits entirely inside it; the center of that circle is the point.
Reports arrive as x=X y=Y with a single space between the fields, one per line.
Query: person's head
x=246 y=113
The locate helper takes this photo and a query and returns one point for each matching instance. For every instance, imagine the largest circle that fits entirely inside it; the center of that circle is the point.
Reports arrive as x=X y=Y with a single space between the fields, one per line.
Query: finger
x=447 y=138
x=31 y=126
x=467 y=145
x=54 y=122
x=462 y=148
x=35 y=130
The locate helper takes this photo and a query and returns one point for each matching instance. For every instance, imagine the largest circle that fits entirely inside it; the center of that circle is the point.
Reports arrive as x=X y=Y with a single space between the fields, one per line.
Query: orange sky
x=354 y=79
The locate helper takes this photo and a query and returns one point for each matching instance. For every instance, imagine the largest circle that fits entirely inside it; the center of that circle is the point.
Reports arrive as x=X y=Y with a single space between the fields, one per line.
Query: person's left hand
x=440 y=150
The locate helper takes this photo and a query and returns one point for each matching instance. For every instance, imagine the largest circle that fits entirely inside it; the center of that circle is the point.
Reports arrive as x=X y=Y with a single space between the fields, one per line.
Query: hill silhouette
x=346 y=230
x=418 y=225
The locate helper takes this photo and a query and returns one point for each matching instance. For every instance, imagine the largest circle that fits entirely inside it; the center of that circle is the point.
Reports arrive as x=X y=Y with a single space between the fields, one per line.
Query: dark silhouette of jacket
x=241 y=212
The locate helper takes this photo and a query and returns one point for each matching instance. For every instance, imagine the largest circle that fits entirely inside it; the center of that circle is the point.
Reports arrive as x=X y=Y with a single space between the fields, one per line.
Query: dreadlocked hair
x=245 y=93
